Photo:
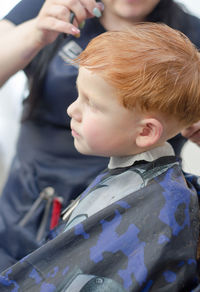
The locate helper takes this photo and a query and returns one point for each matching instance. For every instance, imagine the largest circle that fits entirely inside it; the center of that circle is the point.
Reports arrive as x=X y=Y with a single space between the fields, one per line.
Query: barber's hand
x=193 y=133
x=54 y=18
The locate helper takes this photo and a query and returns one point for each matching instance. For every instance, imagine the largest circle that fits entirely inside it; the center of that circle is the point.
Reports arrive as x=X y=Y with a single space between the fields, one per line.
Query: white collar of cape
x=150 y=155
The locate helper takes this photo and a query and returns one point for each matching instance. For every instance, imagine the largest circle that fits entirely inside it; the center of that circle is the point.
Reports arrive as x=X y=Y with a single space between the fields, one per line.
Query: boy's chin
x=83 y=151
x=88 y=152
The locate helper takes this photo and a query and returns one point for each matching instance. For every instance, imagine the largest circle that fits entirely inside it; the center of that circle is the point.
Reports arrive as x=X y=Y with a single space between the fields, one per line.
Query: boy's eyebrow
x=77 y=87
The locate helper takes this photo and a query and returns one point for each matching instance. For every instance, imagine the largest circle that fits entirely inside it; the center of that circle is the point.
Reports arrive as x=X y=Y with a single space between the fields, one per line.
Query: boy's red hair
x=151 y=66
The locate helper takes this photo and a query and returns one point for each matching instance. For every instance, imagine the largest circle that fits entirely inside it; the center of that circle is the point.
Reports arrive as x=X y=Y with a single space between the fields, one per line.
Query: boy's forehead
x=80 y=75
x=86 y=81
x=92 y=79
x=92 y=84
x=90 y=75
x=84 y=76
x=83 y=71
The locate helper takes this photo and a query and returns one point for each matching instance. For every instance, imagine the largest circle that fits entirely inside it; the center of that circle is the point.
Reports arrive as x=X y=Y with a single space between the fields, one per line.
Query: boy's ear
x=150 y=133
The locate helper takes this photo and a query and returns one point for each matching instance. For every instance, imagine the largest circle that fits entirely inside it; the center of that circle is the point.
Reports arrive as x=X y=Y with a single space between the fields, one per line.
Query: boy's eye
x=91 y=105
x=88 y=101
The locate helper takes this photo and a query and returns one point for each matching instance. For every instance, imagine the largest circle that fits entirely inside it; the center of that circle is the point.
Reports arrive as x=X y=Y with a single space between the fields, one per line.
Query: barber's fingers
x=82 y=9
x=51 y=25
x=63 y=13
x=190 y=131
x=91 y=6
x=54 y=18
x=77 y=6
x=196 y=137
x=193 y=133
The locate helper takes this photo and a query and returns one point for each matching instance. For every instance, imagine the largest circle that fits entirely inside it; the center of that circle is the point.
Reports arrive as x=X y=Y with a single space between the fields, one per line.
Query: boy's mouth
x=74 y=133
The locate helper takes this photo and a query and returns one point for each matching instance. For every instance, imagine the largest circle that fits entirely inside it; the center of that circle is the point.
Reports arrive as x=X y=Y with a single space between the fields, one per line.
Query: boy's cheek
x=92 y=136
x=90 y=128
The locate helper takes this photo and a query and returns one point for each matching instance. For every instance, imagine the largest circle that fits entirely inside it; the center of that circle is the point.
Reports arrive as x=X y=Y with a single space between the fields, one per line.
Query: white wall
x=6 y=5
x=192 y=5
x=10 y=108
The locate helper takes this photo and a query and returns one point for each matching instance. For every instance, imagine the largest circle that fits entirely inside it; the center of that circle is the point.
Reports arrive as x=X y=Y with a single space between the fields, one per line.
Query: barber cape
x=144 y=241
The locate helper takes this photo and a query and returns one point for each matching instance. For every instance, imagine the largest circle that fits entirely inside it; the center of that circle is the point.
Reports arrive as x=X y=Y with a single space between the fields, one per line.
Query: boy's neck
x=149 y=155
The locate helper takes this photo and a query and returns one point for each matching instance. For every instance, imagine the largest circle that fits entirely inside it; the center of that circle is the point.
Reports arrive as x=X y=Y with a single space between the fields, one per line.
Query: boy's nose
x=74 y=112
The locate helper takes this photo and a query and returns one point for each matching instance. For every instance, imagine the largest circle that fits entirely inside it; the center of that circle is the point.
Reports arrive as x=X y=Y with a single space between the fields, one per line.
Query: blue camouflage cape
x=145 y=242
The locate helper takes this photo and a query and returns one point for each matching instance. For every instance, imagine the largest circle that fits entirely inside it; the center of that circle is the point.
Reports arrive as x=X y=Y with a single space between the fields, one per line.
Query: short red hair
x=152 y=66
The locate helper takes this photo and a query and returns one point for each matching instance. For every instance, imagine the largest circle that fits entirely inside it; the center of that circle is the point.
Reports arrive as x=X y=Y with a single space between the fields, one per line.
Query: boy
x=136 y=226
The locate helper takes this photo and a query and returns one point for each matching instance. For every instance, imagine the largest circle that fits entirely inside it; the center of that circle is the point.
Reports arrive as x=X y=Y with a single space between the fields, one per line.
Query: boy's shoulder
x=142 y=172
